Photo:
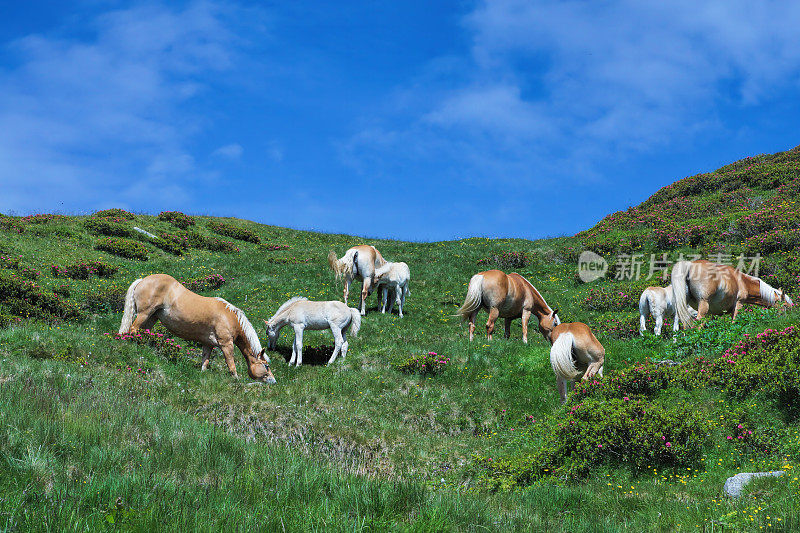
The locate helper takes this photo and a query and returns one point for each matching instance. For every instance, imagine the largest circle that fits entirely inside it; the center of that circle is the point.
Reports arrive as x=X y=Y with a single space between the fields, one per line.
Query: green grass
x=97 y=430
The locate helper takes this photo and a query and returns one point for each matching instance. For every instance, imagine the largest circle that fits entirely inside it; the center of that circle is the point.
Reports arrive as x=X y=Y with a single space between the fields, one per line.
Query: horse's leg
x=393 y=295
x=347 y=282
x=364 y=292
x=659 y=323
x=562 y=389
x=207 y=349
x=227 y=351
x=472 y=316
x=493 y=314
x=345 y=345
x=702 y=310
x=142 y=319
x=384 y=295
x=508 y=327
x=337 y=340
x=399 y=300
x=294 y=352
x=736 y=309
x=298 y=343
x=526 y=316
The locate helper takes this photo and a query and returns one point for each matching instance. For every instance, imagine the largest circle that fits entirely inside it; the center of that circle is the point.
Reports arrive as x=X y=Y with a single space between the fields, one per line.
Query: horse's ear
x=555 y=311
x=265 y=322
x=261 y=353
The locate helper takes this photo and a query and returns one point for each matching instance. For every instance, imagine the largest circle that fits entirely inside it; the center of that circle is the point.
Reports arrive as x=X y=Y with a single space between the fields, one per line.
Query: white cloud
x=230 y=151
x=98 y=117
x=554 y=88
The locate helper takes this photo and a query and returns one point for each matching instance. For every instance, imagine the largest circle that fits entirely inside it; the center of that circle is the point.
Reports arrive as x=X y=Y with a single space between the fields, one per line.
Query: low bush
x=163 y=345
x=430 y=364
x=204 y=283
x=11 y=224
x=275 y=247
x=105 y=300
x=177 y=219
x=235 y=232
x=43 y=218
x=174 y=246
x=15 y=263
x=24 y=298
x=84 y=270
x=507 y=260
x=626 y=432
x=104 y=226
x=115 y=213
x=123 y=247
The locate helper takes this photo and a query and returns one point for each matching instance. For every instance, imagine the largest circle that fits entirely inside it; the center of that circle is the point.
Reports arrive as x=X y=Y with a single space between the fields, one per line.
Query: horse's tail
x=130 y=308
x=680 y=291
x=355 y=321
x=473 y=298
x=644 y=310
x=561 y=357
x=341 y=267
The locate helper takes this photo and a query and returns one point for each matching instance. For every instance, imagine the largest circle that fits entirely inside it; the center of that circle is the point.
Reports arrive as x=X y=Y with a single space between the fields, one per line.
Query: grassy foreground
x=101 y=433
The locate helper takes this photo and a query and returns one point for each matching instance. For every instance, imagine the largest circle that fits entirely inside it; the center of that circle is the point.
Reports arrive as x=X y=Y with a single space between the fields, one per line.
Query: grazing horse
x=658 y=302
x=575 y=352
x=212 y=322
x=303 y=314
x=718 y=289
x=393 y=277
x=503 y=295
x=359 y=262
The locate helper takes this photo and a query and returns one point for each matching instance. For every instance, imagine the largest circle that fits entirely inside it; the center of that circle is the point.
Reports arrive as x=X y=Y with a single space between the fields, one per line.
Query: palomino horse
x=575 y=351
x=504 y=295
x=304 y=314
x=718 y=289
x=393 y=278
x=658 y=302
x=359 y=262
x=212 y=322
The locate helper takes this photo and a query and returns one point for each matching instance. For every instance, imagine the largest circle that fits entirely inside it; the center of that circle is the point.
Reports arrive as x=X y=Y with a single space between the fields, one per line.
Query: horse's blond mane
x=558 y=320
x=768 y=292
x=248 y=329
x=285 y=305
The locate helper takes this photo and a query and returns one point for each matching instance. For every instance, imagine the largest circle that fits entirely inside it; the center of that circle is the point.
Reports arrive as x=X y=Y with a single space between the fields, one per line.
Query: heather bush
x=177 y=219
x=24 y=298
x=204 y=283
x=104 y=226
x=43 y=218
x=235 y=232
x=115 y=213
x=123 y=247
x=165 y=346
x=507 y=260
x=84 y=270
x=429 y=363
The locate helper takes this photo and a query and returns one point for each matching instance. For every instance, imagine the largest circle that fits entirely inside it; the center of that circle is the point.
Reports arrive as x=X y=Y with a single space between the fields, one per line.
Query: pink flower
x=669 y=445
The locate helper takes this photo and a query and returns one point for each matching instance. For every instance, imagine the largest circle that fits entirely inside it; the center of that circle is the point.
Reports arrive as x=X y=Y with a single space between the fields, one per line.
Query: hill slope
x=102 y=432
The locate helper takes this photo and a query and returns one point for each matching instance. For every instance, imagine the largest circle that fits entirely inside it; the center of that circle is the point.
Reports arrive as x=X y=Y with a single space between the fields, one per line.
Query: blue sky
x=414 y=120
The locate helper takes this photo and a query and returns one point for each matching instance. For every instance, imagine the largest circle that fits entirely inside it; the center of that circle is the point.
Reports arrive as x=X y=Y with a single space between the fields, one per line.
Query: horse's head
x=783 y=297
x=259 y=369
x=272 y=335
x=548 y=322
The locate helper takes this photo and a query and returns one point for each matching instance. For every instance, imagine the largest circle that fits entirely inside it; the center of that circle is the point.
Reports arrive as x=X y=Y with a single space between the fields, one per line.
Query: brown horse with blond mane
x=575 y=352
x=212 y=322
x=503 y=295
x=718 y=289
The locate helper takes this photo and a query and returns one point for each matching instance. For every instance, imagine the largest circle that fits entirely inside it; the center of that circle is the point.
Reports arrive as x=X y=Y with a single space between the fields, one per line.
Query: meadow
x=417 y=429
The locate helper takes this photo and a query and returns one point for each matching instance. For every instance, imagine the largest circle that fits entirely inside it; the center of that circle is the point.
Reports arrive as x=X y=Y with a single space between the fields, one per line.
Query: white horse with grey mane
x=303 y=314
x=658 y=302
x=393 y=277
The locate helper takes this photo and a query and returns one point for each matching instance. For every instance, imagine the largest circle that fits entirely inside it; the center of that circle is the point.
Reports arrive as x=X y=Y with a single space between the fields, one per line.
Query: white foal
x=394 y=277
x=658 y=302
x=303 y=314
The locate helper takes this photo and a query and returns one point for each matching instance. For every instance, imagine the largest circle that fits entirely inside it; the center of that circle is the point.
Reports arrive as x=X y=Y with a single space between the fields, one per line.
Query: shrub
x=609 y=299
x=104 y=226
x=174 y=246
x=43 y=218
x=619 y=432
x=163 y=345
x=11 y=224
x=123 y=248
x=115 y=213
x=84 y=270
x=26 y=299
x=105 y=300
x=275 y=247
x=15 y=263
x=507 y=260
x=430 y=363
x=204 y=283
x=235 y=232
x=177 y=219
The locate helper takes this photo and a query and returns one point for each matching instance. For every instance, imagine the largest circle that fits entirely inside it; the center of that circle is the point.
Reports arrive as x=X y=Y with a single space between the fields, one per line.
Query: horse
x=503 y=295
x=359 y=262
x=212 y=322
x=718 y=289
x=394 y=277
x=304 y=314
x=658 y=302
x=575 y=352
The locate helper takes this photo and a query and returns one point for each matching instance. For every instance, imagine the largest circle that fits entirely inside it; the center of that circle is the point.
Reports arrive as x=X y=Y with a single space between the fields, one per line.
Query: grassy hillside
x=107 y=433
